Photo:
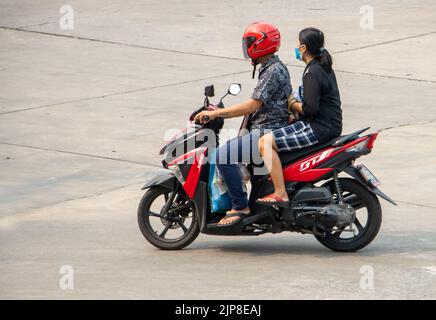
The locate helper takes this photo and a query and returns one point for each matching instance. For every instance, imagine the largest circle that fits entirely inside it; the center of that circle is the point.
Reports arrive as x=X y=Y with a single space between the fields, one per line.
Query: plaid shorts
x=295 y=136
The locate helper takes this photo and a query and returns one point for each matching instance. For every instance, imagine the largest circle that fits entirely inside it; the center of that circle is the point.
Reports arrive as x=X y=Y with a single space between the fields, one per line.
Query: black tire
x=366 y=199
x=150 y=234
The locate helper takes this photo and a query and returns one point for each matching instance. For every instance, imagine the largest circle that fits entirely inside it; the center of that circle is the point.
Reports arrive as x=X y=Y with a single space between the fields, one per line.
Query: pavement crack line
x=416 y=204
x=193 y=81
x=36 y=25
x=384 y=76
x=80 y=154
x=124 y=92
x=131 y=45
x=386 y=42
x=22 y=29
x=199 y=54
x=408 y=124
x=9 y=220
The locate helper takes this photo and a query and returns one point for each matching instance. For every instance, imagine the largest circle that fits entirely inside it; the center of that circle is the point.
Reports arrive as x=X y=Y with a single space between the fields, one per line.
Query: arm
x=237 y=110
x=297 y=107
x=312 y=95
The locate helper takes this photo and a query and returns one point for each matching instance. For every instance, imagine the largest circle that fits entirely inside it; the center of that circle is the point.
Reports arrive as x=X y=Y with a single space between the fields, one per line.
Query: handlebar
x=205 y=118
x=209 y=107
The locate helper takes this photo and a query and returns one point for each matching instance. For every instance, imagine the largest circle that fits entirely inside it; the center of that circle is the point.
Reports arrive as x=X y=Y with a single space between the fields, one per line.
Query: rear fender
x=353 y=172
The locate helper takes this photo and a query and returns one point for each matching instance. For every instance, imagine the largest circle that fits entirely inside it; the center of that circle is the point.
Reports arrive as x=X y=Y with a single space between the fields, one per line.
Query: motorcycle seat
x=292 y=156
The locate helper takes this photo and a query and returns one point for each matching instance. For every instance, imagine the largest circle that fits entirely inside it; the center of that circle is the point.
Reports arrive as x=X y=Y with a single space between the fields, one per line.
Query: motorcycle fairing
x=166 y=180
x=308 y=170
x=197 y=158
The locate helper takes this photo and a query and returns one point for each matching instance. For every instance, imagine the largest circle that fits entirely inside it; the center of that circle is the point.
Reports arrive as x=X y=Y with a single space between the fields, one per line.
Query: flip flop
x=278 y=201
x=234 y=214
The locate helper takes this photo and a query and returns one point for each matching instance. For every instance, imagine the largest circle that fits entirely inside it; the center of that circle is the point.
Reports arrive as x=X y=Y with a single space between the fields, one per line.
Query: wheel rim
x=169 y=216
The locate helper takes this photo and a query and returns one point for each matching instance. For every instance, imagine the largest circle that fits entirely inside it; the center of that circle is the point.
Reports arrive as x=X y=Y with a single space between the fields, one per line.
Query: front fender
x=166 y=180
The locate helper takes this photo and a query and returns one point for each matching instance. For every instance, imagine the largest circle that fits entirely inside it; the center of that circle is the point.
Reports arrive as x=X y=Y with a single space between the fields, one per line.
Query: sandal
x=277 y=201
x=241 y=216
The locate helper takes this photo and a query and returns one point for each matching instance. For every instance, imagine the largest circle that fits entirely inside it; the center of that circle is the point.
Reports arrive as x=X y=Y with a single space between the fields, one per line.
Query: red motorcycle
x=343 y=213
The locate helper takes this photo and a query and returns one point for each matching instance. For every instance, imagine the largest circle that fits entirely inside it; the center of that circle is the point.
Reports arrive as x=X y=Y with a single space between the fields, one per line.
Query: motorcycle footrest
x=237 y=228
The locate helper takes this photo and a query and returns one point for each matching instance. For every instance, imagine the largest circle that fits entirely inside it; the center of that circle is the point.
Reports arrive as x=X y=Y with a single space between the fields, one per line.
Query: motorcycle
x=343 y=213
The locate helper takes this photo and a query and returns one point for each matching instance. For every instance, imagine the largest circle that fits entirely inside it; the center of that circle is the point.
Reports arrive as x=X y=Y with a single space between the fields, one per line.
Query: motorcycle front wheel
x=167 y=218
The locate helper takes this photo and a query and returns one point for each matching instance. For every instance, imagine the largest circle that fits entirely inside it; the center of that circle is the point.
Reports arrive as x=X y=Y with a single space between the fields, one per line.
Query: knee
x=261 y=145
x=265 y=143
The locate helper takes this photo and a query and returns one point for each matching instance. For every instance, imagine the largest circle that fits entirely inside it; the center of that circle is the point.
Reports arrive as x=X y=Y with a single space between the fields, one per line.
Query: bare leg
x=268 y=151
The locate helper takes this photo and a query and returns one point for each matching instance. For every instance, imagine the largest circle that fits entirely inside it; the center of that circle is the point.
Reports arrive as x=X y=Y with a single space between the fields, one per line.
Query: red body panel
x=193 y=177
x=183 y=158
x=305 y=170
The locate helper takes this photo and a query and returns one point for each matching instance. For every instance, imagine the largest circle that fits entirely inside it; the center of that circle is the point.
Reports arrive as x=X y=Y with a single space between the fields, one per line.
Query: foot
x=228 y=220
x=281 y=200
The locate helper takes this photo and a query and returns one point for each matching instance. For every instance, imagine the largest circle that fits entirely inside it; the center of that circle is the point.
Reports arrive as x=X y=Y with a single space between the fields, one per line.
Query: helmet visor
x=247 y=42
x=244 y=49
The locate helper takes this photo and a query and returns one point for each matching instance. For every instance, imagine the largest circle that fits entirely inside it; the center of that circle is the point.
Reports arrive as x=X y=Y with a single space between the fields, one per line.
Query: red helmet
x=260 y=39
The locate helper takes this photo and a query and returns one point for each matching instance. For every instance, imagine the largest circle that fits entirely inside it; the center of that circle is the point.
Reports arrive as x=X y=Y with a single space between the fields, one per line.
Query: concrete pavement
x=83 y=114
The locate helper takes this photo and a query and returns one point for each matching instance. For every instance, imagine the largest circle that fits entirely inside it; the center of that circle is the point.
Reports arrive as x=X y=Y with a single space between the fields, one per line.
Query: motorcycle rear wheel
x=360 y=198
x=169 y=210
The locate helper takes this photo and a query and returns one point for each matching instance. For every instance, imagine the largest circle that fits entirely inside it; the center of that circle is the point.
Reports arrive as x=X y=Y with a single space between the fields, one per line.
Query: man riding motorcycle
x=343 y=213
x=267 y=110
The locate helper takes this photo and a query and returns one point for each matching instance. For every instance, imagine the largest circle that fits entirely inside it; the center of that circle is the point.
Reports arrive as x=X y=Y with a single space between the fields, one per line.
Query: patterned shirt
x=273 y=89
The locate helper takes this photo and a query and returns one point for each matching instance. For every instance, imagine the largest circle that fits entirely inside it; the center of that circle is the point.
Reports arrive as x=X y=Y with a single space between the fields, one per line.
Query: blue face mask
x=298 y=54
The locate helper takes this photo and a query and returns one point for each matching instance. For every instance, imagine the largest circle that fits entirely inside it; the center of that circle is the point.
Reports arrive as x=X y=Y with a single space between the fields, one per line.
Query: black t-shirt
x=321 y=102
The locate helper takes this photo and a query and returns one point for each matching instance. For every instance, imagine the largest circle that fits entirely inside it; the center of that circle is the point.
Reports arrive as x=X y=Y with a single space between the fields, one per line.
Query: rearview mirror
x=209 y=91
x=234 y=89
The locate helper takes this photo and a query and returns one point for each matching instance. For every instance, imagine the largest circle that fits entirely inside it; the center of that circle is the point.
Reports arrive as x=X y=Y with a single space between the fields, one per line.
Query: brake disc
x=172 y=223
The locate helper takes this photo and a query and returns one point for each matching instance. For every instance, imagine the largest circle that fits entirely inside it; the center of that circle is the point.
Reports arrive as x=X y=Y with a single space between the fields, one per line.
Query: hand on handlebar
x=204 y=117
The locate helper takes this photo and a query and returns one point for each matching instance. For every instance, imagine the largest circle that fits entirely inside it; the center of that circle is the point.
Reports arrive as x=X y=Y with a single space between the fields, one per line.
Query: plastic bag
x=298 y=94
x=219 y=196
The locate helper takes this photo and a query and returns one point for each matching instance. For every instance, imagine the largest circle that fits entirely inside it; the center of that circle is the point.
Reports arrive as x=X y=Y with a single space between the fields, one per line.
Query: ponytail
x=325 y=60
x=313 y=38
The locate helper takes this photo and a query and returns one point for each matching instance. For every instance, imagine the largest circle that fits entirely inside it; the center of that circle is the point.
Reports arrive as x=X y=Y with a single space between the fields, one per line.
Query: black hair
x=313 y=38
